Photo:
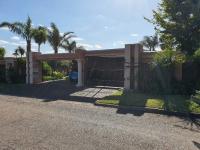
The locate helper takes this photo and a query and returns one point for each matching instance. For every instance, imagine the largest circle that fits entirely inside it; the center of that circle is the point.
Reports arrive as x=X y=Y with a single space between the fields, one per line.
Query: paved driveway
x=33 y=122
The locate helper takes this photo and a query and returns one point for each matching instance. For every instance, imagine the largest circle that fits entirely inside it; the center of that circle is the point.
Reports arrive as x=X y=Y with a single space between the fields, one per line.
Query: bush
x=57 y=75
x=46 y=69
x=161 y=77
x=47 y=78
x=168 y=57
x=2 y=74
x=17 y=74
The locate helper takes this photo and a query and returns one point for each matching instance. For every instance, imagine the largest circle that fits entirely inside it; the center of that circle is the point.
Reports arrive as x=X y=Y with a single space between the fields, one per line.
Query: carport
x=113 y=67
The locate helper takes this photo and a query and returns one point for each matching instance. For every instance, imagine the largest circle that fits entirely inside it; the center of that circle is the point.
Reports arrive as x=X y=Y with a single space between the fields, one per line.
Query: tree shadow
x=196 y=144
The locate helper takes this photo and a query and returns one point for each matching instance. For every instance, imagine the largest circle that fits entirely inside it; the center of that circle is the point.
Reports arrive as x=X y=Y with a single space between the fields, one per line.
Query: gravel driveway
x=30 y=123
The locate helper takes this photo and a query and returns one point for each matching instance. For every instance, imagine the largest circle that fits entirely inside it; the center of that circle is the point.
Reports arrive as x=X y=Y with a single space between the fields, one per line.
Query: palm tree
x=20 y=51
x=40 y=36
x=150 y=42
x=69 y=46
x=24 y=30
x=16 y=53
x=55 y=38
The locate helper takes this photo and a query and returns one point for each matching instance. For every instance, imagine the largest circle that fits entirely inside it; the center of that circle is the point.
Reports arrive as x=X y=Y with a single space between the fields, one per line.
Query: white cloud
x=98 y=46
x=118 y=43
x=16 y=38
x=87 y=46
x=61 y=33
x=3 y=42
x=106 y=27
x=4 y=28
x=77 y=39
x=40 y=25
x=134 y=35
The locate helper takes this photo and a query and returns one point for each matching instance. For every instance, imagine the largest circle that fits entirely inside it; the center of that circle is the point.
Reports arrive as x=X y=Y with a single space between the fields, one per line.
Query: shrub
x=47 y=78
x=168 y=57
x=17 y=74
x=57 y=75
x=196 y=56
x=46 y=69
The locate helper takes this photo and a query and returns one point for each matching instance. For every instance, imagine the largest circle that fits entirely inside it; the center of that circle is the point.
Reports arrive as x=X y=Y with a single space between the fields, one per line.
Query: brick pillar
x=131 y=66
x=80 y=63
x=127 y=67
x=35 y=69
x=136 y=59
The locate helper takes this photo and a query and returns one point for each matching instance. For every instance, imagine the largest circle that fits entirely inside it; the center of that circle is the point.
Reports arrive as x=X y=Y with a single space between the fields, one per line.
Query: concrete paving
x=28 y=123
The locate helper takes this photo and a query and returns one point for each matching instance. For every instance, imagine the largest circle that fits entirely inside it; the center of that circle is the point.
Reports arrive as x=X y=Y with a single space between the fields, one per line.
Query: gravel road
x=32 y=123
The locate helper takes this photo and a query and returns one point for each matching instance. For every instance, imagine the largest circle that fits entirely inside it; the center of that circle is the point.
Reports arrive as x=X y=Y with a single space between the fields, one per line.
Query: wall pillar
x=127 y=67
x=136 y=57
x=80 y=73
x=35 y=69
x=131 y=66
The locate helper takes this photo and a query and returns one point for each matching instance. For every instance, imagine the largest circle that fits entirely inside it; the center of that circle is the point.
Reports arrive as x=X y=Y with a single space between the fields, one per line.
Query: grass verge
x=174 y=103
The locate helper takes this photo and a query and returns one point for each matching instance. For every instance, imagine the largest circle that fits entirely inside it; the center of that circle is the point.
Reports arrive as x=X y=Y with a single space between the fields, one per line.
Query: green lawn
x=175 y=103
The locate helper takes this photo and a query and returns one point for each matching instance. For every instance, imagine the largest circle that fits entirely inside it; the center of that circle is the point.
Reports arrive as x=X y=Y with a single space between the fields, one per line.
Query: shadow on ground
x=56 y=90
x=64 y=90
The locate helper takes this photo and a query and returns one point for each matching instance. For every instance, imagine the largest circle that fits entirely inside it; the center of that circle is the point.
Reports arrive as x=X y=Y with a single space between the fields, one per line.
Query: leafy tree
x=40 y=36
x=150 y=42
x=168 y=57
x=19 y=51
x=55 y=38
x=2 y=52
x=178 y=23
x=25 y=30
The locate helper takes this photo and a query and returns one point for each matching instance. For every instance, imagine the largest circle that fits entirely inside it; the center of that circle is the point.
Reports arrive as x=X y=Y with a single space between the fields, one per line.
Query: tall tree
x=40 y=36
x=69 y=46
x=25 y=30
x=55 y=38
x=20 y=51
x=2 y=52
x=16 y=54
x=178 y=23
x=150 y=42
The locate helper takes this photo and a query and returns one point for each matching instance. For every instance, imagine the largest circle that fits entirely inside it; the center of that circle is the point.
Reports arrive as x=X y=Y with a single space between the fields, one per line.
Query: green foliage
x=150 y=42
x=17 y=74
x=197 y=55
x=40 y=36
x=55 y=38
x=19 y=51
x=2 y=52
x=57 y=75
x=47 y=78
x=2 y=74
x=177 y=22
x=169 y=57
x=46 y=69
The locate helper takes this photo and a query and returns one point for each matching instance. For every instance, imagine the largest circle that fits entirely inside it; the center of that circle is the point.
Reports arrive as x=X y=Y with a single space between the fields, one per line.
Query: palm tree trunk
x=56 y=50
x=28 y=61
x=39 y=48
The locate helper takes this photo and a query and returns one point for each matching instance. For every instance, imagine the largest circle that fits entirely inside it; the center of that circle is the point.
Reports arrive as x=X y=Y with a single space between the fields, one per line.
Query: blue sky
x=98 y=24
